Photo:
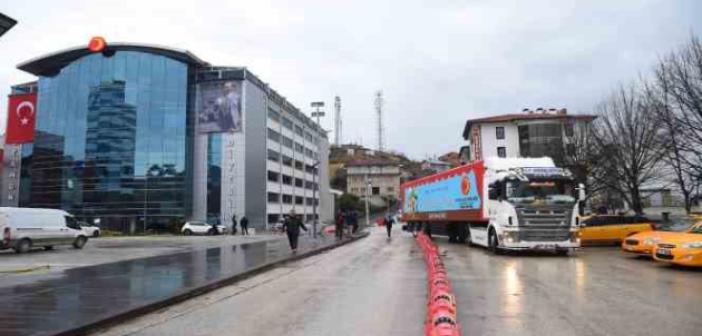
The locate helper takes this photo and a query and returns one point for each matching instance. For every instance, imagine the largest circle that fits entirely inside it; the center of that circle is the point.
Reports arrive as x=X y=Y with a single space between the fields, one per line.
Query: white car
x=90 y=230
x=200 y=228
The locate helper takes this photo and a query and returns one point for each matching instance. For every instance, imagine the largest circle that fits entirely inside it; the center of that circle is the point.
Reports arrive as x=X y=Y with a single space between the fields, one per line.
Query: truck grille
x=544 y=235
x=544 y=217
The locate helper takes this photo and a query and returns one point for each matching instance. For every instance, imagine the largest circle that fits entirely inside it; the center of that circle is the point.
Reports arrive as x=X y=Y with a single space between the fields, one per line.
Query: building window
x=273 y=176
x=273 y=115
x=273 y=218
x=288 y=161
x=309 y=153
x=287 y=123
x=287 y=199
x=310 y=169
x=309 y=201
x=376 y=190
x=298 y=130
x=287 y=179
x=354 y=190
x=309 y=185
x=299 y=148
x=298 y=182
x=309 y=137
x=299 y=200
x=500 y=132
x=299 y=165
x=273 y=135
x=273 y=197
x=308 y=218
x=287 y=142
x=501 y=152
x=273 y=155
x=390 y=189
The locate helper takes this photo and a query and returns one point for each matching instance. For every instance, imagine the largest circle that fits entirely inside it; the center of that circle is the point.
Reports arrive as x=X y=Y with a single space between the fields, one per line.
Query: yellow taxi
x=610 y=229
x=643 y=243
x=682 y=248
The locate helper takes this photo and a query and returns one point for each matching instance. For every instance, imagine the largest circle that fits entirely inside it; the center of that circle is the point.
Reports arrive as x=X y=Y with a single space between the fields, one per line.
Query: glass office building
x=133 y=136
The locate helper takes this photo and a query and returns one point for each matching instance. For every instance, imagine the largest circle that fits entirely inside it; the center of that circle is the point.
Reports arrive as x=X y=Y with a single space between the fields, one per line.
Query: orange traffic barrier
x=441 y=306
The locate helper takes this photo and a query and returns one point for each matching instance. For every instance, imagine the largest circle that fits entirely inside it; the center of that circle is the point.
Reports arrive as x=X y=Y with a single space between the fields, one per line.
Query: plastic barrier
x=441 y=305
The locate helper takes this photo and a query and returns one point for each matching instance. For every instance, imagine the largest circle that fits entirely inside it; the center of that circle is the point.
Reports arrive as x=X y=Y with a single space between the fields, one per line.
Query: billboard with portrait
x=219 y=106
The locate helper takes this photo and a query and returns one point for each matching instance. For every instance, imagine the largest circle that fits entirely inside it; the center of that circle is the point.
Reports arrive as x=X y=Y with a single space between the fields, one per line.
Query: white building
x=534 y=133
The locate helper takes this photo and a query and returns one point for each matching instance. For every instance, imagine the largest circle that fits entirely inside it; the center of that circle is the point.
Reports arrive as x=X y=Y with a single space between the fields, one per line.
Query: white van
x=24 y=228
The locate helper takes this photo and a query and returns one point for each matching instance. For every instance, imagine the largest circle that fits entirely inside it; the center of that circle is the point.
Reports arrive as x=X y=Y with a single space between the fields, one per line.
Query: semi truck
x=499 y=203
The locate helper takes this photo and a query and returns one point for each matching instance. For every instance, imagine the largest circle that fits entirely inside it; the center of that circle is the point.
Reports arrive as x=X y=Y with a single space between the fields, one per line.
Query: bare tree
x=627 y=138
x=677 y=100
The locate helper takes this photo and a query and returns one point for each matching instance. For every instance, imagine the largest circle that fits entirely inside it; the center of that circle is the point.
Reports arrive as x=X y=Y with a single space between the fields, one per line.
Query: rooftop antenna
x=337 y=120
x=379 y=101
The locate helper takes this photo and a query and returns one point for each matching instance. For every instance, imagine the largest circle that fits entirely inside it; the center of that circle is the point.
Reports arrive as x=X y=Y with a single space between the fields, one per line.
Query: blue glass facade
x=214 y=176
x=112 y=140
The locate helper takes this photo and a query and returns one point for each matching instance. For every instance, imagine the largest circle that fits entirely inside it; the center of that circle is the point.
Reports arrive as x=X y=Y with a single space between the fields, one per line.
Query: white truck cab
x=530 y=204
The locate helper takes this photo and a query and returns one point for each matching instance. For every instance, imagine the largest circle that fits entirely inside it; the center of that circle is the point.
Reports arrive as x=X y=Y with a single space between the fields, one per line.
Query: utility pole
x=379 y=101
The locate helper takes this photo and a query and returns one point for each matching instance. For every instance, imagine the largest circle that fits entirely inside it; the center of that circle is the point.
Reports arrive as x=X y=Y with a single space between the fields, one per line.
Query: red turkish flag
x=21 y=117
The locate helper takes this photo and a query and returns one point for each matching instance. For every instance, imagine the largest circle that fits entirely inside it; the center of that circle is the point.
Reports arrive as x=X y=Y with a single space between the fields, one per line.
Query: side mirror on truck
x=581 y=199
x=581 y=192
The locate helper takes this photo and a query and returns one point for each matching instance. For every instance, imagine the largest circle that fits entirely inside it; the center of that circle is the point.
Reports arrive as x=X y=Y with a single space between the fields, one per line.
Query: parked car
x=201 y=228
x=643 y=243
x=25 y=228
x=90 y=230
x=610 y=229
x=681 y=248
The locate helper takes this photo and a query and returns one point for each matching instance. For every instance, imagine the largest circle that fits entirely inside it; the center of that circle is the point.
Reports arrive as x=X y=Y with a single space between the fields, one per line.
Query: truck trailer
x=499 y=203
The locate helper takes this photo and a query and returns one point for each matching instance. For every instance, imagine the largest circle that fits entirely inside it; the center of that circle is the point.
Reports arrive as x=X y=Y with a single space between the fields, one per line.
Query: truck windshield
x=552 y=192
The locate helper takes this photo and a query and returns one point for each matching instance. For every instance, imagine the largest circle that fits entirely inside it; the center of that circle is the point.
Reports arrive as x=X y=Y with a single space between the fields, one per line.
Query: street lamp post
x=317 y=113
x=314 y=199
x=369 y=183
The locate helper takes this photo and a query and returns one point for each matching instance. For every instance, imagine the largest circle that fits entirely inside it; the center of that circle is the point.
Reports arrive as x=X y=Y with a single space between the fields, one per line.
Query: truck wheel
x=80 y=242
x=23 y=246
x=462 y=233
x=493 y=243
x=451 y=230
x=96 y=234
x=563 y=252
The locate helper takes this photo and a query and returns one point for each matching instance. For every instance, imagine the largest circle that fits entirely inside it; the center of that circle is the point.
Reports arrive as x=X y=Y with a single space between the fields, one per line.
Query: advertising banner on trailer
x=450 y=195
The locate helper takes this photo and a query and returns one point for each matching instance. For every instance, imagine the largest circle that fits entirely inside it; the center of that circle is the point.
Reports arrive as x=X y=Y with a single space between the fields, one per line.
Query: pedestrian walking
x=354 y=221
x=339 y=227
x=244 y=223
x=389 y=221
x=233 y=225
x=292 y=225
x=214 y=229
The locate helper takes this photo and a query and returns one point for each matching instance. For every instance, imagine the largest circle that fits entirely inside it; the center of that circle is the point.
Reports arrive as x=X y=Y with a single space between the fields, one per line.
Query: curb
x=194 y=292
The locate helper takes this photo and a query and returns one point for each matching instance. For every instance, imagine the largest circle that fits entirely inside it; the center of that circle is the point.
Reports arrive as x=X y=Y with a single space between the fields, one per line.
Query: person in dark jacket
x=244 y=223
x=339 y=227
x=233 y=225
x=292 y=225
x=389 y=221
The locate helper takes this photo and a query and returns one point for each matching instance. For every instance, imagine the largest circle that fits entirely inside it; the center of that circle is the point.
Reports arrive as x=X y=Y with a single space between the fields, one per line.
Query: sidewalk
x=84 y=298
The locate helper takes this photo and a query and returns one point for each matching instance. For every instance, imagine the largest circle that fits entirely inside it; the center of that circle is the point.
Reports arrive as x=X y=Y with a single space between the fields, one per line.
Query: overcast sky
x=437 y=62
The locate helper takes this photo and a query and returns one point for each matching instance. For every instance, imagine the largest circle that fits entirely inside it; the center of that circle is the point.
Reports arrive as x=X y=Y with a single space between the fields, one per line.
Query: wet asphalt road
x=369 y=287
x=598 y=291
x=376 y=287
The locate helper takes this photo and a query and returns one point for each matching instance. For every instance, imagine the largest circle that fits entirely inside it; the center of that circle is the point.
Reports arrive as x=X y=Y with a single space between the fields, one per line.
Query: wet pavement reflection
x=88 y=294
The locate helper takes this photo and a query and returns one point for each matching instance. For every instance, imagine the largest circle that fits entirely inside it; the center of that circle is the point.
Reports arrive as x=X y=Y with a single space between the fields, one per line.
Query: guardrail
x=441 y=306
